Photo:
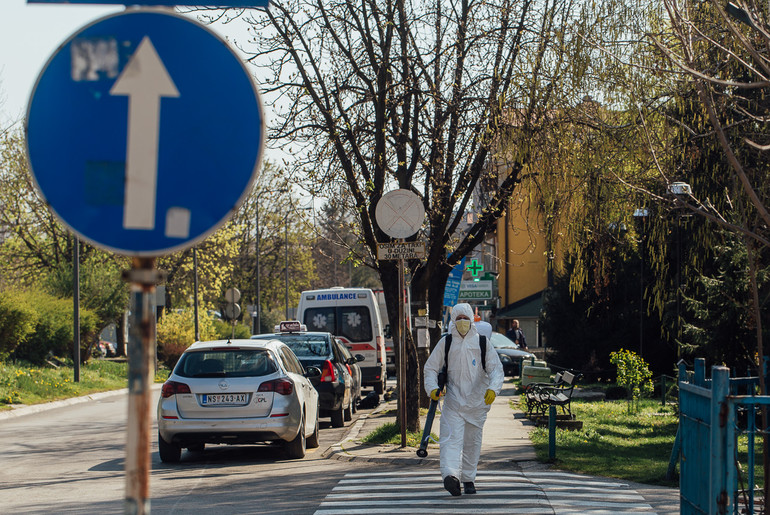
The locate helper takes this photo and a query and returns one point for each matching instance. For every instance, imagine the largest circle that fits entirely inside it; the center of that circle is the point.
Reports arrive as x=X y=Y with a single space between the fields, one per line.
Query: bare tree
x=374 y=96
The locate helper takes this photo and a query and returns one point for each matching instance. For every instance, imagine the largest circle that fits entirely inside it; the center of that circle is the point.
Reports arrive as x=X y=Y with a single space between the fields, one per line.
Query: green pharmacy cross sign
x=474 y=268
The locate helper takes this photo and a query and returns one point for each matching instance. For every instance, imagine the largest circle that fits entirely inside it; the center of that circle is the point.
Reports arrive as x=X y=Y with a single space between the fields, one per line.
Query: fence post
x=699 y=368
x=663 y=390
x=678 y=440
x=720 y=389
x=552 y=432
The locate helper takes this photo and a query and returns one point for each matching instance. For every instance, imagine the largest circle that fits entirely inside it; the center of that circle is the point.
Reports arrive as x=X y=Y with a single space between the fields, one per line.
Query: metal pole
x=195 y=294
x=76 y=308
x=142 y=277
x=401 y=354
x=258 y=301
x=286 y=236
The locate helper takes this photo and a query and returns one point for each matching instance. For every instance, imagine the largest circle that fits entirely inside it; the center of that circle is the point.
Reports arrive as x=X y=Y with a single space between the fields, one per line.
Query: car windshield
x=226 y=363
x=306 y=345
x=500 y=341
x=351 y=322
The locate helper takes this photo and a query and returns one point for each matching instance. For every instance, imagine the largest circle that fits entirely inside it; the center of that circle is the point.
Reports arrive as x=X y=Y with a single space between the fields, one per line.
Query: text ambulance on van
x=352 y=315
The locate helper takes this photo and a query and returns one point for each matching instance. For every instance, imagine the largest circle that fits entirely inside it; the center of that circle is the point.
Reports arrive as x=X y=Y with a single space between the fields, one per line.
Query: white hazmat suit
x=464 y=411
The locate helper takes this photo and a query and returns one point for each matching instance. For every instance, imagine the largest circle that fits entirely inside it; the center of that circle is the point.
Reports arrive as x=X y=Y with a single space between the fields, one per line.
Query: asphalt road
x=71 y=459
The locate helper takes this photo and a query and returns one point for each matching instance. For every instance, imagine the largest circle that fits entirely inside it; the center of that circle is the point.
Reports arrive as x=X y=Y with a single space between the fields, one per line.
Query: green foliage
x=54 y=329
x=614 y=443
x=17 y=320
x=175 y=332
x=102 y=288
x=224 y=330
x=633 y=374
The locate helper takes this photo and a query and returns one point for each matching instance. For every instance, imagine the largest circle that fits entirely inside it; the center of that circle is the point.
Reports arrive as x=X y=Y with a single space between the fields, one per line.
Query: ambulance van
x=353 y=316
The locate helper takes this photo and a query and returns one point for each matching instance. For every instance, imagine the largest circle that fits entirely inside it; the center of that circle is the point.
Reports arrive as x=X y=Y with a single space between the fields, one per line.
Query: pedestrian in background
x=516 y=335
x=470 y=390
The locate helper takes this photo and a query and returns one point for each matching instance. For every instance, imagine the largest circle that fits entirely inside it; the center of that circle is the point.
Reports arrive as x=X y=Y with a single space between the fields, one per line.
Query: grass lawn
x=25 y=384
x=636 y=447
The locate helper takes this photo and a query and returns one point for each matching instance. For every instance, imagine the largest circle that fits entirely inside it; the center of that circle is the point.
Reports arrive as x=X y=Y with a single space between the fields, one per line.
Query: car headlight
x=505 y=359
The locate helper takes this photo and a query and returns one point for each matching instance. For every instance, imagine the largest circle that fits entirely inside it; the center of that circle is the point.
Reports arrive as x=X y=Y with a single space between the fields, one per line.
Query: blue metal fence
x=707 y=440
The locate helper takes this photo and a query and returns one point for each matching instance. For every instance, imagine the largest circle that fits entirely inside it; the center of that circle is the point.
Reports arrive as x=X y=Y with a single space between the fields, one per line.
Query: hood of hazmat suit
x=467 y=382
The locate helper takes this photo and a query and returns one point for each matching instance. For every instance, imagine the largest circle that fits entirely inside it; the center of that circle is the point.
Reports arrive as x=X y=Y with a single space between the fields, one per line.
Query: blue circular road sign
x=144 y=132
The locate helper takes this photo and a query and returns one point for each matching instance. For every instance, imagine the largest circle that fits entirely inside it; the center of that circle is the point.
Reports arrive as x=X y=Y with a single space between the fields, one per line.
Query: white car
x=238 y=392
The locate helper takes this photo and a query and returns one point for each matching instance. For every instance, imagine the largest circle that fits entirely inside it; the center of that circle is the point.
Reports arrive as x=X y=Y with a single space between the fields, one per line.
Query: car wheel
x=169 y=452
x=296 y=448
x=338 y=417
x=312 y=440
x=379 y=388
x=354 y=404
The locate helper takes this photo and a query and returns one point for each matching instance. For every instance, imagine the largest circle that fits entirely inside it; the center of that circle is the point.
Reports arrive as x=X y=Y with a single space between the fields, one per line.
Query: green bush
x=224 y=330
x=17 y=320
x=176 y=332
x=53 y=331
x=633 y=374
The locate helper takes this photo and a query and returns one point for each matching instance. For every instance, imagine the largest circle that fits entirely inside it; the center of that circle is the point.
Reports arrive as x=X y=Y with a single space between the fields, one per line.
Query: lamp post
x=258 y=296
x=681 y=190
x=641 y=215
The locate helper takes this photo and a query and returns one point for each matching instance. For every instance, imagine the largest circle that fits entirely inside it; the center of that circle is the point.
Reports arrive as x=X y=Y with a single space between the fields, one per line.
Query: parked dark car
x=510 y=354
x=339 y=386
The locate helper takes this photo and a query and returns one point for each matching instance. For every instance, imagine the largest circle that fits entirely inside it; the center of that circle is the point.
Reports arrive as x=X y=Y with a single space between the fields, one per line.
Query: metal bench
x=540 y=396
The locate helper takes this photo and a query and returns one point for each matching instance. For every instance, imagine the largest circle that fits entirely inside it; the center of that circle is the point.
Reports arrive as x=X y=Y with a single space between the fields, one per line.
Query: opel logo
x=223 y=385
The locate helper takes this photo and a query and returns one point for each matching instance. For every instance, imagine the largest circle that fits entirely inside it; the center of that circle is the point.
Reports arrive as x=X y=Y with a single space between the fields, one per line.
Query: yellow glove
x=435 y=394
x=489 y=397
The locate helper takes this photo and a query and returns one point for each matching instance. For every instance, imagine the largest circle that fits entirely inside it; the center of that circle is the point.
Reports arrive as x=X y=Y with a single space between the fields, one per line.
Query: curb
x=37 y=408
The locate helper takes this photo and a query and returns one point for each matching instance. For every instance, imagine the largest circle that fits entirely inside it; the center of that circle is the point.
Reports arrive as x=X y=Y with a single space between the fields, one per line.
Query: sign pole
x=401 y=354
x=142 y=277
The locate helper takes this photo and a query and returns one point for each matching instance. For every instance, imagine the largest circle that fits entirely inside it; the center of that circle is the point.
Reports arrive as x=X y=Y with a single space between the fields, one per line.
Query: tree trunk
x=389 y=277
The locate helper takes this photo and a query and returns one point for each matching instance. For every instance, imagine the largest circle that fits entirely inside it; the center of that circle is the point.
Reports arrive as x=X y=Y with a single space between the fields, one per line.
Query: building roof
x=528 y=307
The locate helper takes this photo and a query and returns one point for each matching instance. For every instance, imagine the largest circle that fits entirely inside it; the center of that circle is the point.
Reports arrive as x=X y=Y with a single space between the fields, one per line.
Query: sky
x=31 y=33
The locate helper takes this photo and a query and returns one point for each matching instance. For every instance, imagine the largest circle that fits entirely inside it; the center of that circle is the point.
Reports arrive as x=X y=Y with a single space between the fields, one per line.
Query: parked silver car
x=238 y=392
x=510 y=354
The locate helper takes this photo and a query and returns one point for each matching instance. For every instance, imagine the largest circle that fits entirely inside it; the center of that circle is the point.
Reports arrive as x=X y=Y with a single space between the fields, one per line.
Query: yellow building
x=522 y=256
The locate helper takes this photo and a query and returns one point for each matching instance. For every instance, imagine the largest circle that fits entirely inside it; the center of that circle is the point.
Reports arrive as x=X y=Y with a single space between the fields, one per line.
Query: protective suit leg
x=451 y=438
x=471 y=451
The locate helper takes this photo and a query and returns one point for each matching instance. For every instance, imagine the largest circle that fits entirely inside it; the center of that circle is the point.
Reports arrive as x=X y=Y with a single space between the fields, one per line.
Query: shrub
x=176 y=332
x=53 y=331
x=224 y=330
x=633 y=374
x=17 y=320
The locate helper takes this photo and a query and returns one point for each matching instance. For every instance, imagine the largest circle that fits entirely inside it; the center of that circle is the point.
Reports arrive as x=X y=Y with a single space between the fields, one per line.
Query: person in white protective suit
x=469 y=393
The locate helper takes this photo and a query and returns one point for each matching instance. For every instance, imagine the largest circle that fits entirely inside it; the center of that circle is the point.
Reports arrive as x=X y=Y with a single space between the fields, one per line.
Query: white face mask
x=463 y=326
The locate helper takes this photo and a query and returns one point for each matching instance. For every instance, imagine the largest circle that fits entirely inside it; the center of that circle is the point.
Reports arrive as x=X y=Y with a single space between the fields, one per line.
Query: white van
x=352 y=315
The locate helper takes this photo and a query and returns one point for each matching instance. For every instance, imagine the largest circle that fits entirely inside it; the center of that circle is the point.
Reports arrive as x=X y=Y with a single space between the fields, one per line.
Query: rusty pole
x=401 y=354
x=142 y=277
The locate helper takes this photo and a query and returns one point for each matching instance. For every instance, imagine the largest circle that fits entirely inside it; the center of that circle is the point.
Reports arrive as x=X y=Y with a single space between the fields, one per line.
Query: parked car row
x=271 y=388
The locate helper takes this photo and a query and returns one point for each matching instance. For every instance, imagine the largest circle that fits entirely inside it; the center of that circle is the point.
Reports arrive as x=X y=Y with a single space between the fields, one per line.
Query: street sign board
x=400 y=213
x=476 y=290
x=452 y=288
x=401 y=250
x=144 y=132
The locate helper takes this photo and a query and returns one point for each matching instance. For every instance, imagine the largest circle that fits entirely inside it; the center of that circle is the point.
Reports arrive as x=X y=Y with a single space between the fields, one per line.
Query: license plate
x=222 y=399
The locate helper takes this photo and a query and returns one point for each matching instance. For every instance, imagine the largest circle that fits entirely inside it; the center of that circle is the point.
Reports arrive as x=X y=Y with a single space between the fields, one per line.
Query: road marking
x=499 y=491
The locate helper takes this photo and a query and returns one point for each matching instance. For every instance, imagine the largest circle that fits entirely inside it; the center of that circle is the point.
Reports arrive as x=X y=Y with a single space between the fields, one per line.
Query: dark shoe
x=452 y=484
x=469 y=488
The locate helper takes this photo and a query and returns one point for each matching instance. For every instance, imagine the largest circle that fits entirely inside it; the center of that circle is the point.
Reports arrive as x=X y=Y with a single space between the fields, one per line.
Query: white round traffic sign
x=400 y=213
x=233 y=295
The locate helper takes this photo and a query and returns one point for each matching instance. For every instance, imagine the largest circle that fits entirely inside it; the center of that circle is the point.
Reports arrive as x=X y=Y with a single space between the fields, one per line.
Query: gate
x=707 y=437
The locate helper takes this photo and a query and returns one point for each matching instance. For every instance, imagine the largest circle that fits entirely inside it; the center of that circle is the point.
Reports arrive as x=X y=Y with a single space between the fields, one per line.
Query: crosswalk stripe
x=499 y=491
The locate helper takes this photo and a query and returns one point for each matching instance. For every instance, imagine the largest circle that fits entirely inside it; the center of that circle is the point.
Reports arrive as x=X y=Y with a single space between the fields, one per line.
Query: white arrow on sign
x=144 y=80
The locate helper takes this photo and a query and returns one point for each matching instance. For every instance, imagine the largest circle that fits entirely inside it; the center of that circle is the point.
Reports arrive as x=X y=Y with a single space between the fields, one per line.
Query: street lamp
x=286 y=270
x=258 y=300
x=641 y=215
x=681 y=190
